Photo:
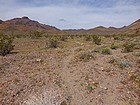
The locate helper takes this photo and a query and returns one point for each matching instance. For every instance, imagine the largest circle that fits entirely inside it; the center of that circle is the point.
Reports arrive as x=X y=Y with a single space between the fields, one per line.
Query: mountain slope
x=133 y=28
x=25 y=25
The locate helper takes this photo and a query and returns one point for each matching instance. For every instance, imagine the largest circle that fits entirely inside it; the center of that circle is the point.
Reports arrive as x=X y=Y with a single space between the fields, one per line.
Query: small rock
x=105 y=88
x=63 y=103
x=39 y=60
x=102 y=68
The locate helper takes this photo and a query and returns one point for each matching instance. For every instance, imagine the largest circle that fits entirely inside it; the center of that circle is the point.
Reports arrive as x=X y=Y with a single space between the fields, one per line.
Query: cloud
x=74 y=13
x=62 y=20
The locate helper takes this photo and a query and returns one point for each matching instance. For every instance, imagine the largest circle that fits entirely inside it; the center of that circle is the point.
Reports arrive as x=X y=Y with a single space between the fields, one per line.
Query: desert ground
x=76 y=72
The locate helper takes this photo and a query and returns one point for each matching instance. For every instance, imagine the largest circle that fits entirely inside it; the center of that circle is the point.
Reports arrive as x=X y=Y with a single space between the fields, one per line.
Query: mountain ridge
x=25 y=25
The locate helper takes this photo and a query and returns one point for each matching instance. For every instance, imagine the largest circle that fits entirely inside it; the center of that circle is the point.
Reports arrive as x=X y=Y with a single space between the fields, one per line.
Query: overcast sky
x=70 y=14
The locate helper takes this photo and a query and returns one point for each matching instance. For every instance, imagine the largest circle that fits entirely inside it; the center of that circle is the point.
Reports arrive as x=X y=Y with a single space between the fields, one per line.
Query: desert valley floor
x=77 y=72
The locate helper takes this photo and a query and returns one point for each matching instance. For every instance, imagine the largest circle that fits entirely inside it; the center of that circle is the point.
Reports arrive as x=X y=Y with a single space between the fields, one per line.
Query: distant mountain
x=133 y=28
x=25 y=25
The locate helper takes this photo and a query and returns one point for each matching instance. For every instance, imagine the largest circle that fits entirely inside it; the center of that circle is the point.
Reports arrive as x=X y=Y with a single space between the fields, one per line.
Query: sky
x=73 y=14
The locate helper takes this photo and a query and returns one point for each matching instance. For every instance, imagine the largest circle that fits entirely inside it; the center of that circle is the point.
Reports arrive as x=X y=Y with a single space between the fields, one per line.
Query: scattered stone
x=63 y=103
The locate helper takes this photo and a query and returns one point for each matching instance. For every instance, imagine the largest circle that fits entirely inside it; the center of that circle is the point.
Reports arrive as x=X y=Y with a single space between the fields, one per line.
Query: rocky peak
x=24 y=17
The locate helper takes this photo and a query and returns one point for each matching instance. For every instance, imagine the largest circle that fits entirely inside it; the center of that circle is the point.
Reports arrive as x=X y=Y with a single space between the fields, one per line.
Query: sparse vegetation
x=106 y=51
x=90 y=70
x=122 y=63
x=96 y=39
x=6 y=44
x=87 y=37
x=85 y=56
x=63 y=38
x=114 y=46
x=89 y=88
x=52 y=42
x=128 y=47
x=137 y=54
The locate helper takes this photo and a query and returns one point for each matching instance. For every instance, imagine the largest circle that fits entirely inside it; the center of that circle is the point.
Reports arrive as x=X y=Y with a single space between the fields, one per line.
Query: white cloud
x=76 y=16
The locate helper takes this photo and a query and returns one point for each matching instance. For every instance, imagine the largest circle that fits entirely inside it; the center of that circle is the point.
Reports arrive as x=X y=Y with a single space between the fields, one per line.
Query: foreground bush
x=6 y=44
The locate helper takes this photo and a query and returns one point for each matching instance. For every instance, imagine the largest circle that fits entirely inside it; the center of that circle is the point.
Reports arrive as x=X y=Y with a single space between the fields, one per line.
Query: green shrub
x=124 y=64
x=89 y=88
x=84 y=56
x=137 y=54
x=87 y=37
x=36 y=34
x=6 y=44
x=96 y=39
x=128 y=47
x=119 y=37
x=63 y=37
x=114 y=46
x=106 y=51
x=52 y=42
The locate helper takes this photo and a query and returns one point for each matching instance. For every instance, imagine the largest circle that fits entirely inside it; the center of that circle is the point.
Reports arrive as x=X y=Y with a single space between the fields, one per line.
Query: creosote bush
x=52 y=42
x=84 y=56
x=128 y=47
x=63 y=37
x=114 y=46
x=6 y=44
x=106 y=51
x=87 y=37
x=96 y=39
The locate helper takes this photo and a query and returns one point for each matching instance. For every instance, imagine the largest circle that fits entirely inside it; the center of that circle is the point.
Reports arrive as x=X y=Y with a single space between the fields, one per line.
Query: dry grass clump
x=47 y=97
x=84 y=56
x=106 y=51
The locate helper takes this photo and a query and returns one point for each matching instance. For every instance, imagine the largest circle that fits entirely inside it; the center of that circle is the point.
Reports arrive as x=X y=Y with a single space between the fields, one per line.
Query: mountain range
x=25 y=25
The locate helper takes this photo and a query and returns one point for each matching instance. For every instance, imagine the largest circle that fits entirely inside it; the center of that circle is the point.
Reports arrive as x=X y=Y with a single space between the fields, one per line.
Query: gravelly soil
x=36 y=76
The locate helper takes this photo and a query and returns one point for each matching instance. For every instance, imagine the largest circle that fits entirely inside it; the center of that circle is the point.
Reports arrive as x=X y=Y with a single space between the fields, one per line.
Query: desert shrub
x=114 y=46
x=52 y=42
x=84 y=56
x=87 y=37
x=89 y=88
x=128 y=47
x=63 y=37
x=122 y=63
x=36 y=34
x=113 y=61
x=106 y=51
x=137 y=54
x=96 y=39
x=119 y=37
x=6 y=45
